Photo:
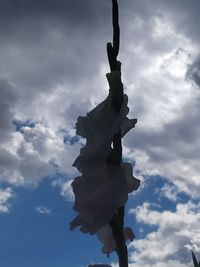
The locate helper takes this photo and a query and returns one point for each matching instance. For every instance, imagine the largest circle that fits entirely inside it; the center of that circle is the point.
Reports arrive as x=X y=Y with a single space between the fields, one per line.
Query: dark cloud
x=53 y=55
x=193 y=72
x=54 y=52
x=173 y=151
x=7 y=103
x=73 y=12
x=179 y=138
x=45 y=43
x=185 y=15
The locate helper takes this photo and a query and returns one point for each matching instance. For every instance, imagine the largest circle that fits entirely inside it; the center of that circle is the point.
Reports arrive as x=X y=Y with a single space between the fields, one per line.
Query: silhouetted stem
x=117 y=222
x=116 y=29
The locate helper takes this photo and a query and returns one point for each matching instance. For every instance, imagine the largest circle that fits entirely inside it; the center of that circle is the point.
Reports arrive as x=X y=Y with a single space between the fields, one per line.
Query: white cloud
x=166 y=138
x=34 y=153
x=60 y=74
x=43 y=210
x=54 y=91
x=169 y=191
x=66 y=189
x=170 y=263
x=175 y=232
x=5 y=196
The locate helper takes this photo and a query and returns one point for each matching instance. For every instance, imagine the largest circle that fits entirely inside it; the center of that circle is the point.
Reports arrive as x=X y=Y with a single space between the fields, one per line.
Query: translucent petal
x=98 y=193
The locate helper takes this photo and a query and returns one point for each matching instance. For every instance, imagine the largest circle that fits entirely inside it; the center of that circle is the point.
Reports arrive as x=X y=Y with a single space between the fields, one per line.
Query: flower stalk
x=102 y=189
x=115 y=158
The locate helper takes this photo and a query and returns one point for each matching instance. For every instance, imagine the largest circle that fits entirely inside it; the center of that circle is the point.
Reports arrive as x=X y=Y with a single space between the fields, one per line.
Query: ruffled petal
x=105 y=236
x=99 y=127
x=128 y=234
x=132 y=182
x=127 y=125
x=103 y=122
x=101 y=189
x=98 y=193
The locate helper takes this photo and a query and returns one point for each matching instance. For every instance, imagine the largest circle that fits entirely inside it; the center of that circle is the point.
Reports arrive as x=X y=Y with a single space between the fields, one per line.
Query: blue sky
x=39 y=238
x=52 y=70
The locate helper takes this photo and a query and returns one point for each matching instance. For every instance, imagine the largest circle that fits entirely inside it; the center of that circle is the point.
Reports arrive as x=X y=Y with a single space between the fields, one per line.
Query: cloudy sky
x=52 y=69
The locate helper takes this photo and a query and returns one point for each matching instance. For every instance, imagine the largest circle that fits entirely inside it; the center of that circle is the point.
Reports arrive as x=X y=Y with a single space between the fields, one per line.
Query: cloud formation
x=54 y=64
x=52 y=69
x=176 y=232
x=43 y=210
x=5 y=197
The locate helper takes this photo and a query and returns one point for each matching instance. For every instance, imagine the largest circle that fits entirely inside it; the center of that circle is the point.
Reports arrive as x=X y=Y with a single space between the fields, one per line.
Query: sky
x=52 y=69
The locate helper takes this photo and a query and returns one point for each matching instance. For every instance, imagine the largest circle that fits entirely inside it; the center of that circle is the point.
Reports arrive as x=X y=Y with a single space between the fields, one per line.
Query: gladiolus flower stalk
x=117 y=222
x=105 y=182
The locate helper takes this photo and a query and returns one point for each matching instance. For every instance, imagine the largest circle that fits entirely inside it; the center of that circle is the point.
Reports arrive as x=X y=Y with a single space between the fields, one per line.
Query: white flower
x=98 y=193
x=99 y=127
x=132 y=182
x=101 y=189
x=105 y=236
x=128 y=234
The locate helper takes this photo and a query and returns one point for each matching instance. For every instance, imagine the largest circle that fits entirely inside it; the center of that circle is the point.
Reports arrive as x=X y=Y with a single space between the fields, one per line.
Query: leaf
x=196 y=264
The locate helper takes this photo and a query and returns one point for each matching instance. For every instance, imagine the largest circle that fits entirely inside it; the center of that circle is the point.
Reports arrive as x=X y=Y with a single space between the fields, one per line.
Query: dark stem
x=115 y=158
x=116 y=29
x=117 y=227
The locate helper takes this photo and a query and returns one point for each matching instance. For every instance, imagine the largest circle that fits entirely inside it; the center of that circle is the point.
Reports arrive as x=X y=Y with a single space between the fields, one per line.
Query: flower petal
x=99 y=127
x=101 y=189
x=132 y=182
x=128 y=234
x=97 y=196
x=105 y=236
